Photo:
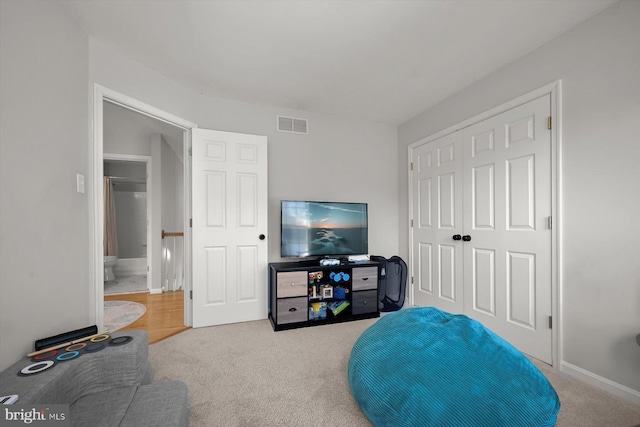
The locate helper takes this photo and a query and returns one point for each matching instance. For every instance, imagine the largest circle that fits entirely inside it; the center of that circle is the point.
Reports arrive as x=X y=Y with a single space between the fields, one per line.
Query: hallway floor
x=164 y=316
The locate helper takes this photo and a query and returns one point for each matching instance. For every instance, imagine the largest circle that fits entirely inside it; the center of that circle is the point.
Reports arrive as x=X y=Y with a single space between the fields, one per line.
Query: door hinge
x=411 y=223
x=411 y=166
x=190 y=222
x=190 y=152
x=190 y=294
x=549 y=123
x=412 y=280
x=550 y=322
x=550 y=222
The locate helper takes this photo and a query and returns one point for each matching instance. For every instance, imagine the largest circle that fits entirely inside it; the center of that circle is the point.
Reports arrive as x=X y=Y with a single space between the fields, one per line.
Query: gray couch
x=109 y=387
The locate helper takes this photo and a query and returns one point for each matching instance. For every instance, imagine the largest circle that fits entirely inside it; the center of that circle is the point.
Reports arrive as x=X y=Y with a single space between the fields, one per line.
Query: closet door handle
x=466 y=238
x=457 y=237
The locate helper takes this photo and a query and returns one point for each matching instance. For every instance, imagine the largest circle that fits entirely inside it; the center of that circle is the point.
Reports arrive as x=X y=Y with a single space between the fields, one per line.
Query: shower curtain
x=110 y=231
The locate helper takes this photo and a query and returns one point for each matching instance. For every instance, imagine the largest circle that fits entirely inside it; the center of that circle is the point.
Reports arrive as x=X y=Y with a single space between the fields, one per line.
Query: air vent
x=292 y=125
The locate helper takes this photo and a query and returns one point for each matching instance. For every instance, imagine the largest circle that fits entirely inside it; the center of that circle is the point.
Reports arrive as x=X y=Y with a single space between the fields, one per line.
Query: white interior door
x=481 y=245
x=507 y=198
x=229 y=184
x=437 y=217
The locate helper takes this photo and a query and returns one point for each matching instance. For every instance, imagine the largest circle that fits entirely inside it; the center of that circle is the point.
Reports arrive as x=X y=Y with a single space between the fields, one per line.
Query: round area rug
x=118 y=314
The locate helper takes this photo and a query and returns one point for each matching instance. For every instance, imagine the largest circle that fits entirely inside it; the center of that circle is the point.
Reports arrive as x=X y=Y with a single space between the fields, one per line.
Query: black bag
x=393 y=282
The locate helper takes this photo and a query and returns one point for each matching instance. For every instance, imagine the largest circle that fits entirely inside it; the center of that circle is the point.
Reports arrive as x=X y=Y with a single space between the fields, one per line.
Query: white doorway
x=482 y=202
x=102 y=95
x=132 y=187
x=230 y=197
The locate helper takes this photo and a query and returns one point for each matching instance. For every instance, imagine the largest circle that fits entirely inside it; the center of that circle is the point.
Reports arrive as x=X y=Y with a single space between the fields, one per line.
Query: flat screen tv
x=318 y=229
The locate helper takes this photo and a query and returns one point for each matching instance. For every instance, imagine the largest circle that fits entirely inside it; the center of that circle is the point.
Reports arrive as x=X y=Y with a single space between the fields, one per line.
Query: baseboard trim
x=600 y=382
x=155 y=291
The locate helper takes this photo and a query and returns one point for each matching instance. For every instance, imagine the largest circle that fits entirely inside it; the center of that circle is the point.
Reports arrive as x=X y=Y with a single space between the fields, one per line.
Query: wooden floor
x=164 y=316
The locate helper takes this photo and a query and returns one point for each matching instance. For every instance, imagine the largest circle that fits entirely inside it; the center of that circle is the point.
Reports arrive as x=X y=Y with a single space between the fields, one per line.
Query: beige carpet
x=247 y=375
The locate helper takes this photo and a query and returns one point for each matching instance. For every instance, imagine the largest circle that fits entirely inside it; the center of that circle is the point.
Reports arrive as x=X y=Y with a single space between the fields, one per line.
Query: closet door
x=507 y=199
x=490 y=185
x=437 y=217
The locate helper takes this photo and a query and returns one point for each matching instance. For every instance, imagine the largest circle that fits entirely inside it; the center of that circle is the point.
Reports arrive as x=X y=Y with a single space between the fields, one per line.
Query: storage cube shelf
x=306 y=294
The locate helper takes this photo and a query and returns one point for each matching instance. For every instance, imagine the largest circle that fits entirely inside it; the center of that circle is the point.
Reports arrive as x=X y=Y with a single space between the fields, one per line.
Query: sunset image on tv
x=323 y=228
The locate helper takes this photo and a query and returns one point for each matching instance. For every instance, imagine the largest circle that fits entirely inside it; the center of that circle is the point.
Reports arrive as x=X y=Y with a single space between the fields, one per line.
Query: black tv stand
x=305 y=293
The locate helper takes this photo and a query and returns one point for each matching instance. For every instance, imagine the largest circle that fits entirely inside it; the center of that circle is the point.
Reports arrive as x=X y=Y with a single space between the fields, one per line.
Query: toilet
x=109 y=263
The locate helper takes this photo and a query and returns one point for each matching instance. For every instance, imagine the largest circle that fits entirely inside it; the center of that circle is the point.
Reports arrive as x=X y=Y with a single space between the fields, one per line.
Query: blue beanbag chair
x=426 y=367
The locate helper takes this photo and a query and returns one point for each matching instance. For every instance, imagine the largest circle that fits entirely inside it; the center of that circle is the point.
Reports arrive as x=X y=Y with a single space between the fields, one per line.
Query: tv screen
x=310 y=229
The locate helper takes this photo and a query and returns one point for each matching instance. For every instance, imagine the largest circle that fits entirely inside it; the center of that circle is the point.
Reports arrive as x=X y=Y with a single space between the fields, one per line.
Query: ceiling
x=380 y=60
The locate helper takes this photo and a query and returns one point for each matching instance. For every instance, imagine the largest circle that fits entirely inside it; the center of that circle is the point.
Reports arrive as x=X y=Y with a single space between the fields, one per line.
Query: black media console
x=307 y=294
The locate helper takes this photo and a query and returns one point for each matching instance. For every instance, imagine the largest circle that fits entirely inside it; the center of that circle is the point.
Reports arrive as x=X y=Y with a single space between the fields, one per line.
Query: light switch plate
x=80 y=183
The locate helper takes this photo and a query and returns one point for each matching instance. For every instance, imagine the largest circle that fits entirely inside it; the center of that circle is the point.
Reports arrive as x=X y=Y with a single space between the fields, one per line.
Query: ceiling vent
x=293 y=125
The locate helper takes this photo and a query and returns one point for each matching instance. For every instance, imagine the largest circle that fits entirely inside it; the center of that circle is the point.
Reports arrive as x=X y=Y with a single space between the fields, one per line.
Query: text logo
x=35 y=415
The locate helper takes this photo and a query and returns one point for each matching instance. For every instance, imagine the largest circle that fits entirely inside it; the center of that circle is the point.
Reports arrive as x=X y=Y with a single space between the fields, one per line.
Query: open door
x=229 y=228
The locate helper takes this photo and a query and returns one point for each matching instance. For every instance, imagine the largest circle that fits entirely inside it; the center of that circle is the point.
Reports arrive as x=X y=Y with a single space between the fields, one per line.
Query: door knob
x=466 y=238
x=261 y=237
x=457 y=237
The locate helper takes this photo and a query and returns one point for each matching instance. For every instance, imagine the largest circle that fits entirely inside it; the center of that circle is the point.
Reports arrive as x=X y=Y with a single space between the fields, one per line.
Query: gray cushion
x=102 y=409
x=111 y=387
x=159 y=404
x=67 y=381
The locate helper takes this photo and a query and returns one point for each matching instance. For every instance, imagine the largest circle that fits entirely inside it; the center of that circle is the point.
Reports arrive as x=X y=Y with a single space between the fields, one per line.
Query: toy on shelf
x=318 y=310
x=337 y=307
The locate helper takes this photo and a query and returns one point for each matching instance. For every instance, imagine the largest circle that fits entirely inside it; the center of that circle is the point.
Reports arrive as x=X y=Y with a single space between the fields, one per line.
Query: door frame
x=96 y=216
x=147 y=160
x=555 y=90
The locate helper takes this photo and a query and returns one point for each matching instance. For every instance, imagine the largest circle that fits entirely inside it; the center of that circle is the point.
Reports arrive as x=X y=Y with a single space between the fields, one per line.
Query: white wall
x=599 y=64
x=155 y=223
x=341 y=159
x=122 y=133
x=45 y=259
x=172 y=207
x=170 y=188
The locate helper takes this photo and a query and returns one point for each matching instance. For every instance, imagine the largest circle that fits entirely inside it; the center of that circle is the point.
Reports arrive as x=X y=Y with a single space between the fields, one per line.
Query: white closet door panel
x=521 y=287
x=484 y=281
x=447 y=201
x=507 y=172
x=437 y=213
x=424 y=203
x=520 y=183
x=425 y=269
x=447 y=277
x=483 y=197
